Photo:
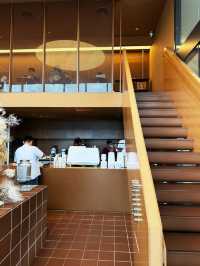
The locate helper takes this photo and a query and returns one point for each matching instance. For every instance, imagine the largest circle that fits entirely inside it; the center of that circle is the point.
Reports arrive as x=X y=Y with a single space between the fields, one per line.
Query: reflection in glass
x=95 y=61
x=187 y=17
x=4 y=47
x=27 y=36
x=139 y=66
x=189 y=9
x=193 y=61
x=61 y=46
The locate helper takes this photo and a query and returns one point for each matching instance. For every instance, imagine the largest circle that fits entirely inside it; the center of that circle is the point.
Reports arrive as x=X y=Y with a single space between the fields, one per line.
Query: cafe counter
x=23 y=228
x=86 y=188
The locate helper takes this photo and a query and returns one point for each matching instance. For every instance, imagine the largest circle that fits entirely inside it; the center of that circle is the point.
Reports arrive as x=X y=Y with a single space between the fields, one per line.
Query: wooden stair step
x=155 y=105
x=183 y=258
x=169 y=144
x=183 y=249
x=165 y=132
x=176 y=174
x=174 y=157
x=151 y=93
x=160 y=122
x=180 y=218
x=178 y=193
x=182 y=241
x=153 y=98
x=158 y=113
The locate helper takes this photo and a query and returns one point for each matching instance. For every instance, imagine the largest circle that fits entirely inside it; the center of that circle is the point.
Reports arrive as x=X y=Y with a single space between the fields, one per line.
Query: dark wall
x=62 y=132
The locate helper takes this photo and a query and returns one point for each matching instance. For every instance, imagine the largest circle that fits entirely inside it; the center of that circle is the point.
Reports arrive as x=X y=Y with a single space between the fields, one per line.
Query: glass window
x=139 y=64
x=187 y=17
x=193 y=61
x=61 y=46
x=27 y=47
x=95 y=56
x=56 y=49
x=4 y=47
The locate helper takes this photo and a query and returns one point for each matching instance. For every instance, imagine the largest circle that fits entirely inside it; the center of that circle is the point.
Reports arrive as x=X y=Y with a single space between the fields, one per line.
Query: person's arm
x=38 y=153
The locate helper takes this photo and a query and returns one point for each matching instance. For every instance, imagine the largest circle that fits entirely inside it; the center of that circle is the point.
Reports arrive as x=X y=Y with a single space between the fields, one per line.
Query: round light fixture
x=63 y=54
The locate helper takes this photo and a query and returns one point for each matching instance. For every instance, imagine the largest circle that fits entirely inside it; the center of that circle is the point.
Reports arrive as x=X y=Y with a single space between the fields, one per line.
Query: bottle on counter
x=59 y=161
x=111 y=160
x=104 y=163
x=55 y=161
x=120 y=160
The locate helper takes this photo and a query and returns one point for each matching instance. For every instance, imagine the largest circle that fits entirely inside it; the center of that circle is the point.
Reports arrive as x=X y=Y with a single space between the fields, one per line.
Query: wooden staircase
x=176 y=172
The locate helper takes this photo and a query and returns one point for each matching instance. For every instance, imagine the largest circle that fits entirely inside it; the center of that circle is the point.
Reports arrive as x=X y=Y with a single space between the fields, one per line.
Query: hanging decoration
x=9 y=192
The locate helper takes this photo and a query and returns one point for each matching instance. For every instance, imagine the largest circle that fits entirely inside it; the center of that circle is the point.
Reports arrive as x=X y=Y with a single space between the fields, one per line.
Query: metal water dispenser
x=24 y=171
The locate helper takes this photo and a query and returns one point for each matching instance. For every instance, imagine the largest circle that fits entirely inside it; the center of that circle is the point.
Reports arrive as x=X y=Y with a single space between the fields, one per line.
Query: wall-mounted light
x=74 y=49
x=151 y=34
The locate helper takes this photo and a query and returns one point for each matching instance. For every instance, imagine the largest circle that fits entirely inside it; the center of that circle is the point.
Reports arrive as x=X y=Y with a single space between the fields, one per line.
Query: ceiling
x=139 y=17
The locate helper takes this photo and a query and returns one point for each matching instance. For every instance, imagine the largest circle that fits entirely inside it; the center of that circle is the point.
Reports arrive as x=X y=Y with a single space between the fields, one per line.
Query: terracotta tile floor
x=87 y=239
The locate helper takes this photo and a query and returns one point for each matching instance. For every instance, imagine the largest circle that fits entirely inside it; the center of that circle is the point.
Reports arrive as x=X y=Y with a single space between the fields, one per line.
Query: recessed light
x=137 y=28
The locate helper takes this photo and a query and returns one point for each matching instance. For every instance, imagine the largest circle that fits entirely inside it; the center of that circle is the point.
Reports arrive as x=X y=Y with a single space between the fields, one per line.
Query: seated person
x=57 y=75
x=31 y=77
x=110 y=147
x=67 y=78
x=77 y=142
x=3 y=81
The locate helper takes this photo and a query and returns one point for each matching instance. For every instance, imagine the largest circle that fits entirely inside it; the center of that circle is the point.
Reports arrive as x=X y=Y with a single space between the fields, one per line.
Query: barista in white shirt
x=29 y=152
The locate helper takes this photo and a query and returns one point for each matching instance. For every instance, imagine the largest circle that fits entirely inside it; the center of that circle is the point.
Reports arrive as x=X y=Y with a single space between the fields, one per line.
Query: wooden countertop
x=85 y=168
x=7 y=207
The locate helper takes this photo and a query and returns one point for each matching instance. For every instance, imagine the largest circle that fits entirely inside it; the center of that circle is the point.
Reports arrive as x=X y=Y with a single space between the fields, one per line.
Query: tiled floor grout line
x=75 y=234
x=46 y=264
x=136 y=241
x=128 y=240
x=101 y=236
x=63 y=235
x=86 y=241
x=68 y=250
x=92 y=228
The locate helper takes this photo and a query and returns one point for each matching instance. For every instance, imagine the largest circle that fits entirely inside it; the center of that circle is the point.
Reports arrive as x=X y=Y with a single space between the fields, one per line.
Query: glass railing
x=58 y=88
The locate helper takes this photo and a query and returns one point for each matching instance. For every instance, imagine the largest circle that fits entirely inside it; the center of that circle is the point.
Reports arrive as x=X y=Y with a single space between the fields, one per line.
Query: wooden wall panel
x=170 y=74
x=164 y=37
x=184 y=88
x=61 y=100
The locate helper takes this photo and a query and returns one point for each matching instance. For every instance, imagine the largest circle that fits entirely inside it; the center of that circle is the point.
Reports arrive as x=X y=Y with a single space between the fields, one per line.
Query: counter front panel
x=86 y=189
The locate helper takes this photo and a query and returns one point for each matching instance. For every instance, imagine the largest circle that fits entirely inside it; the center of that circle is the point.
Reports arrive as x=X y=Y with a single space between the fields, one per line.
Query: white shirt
x=31 y=153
